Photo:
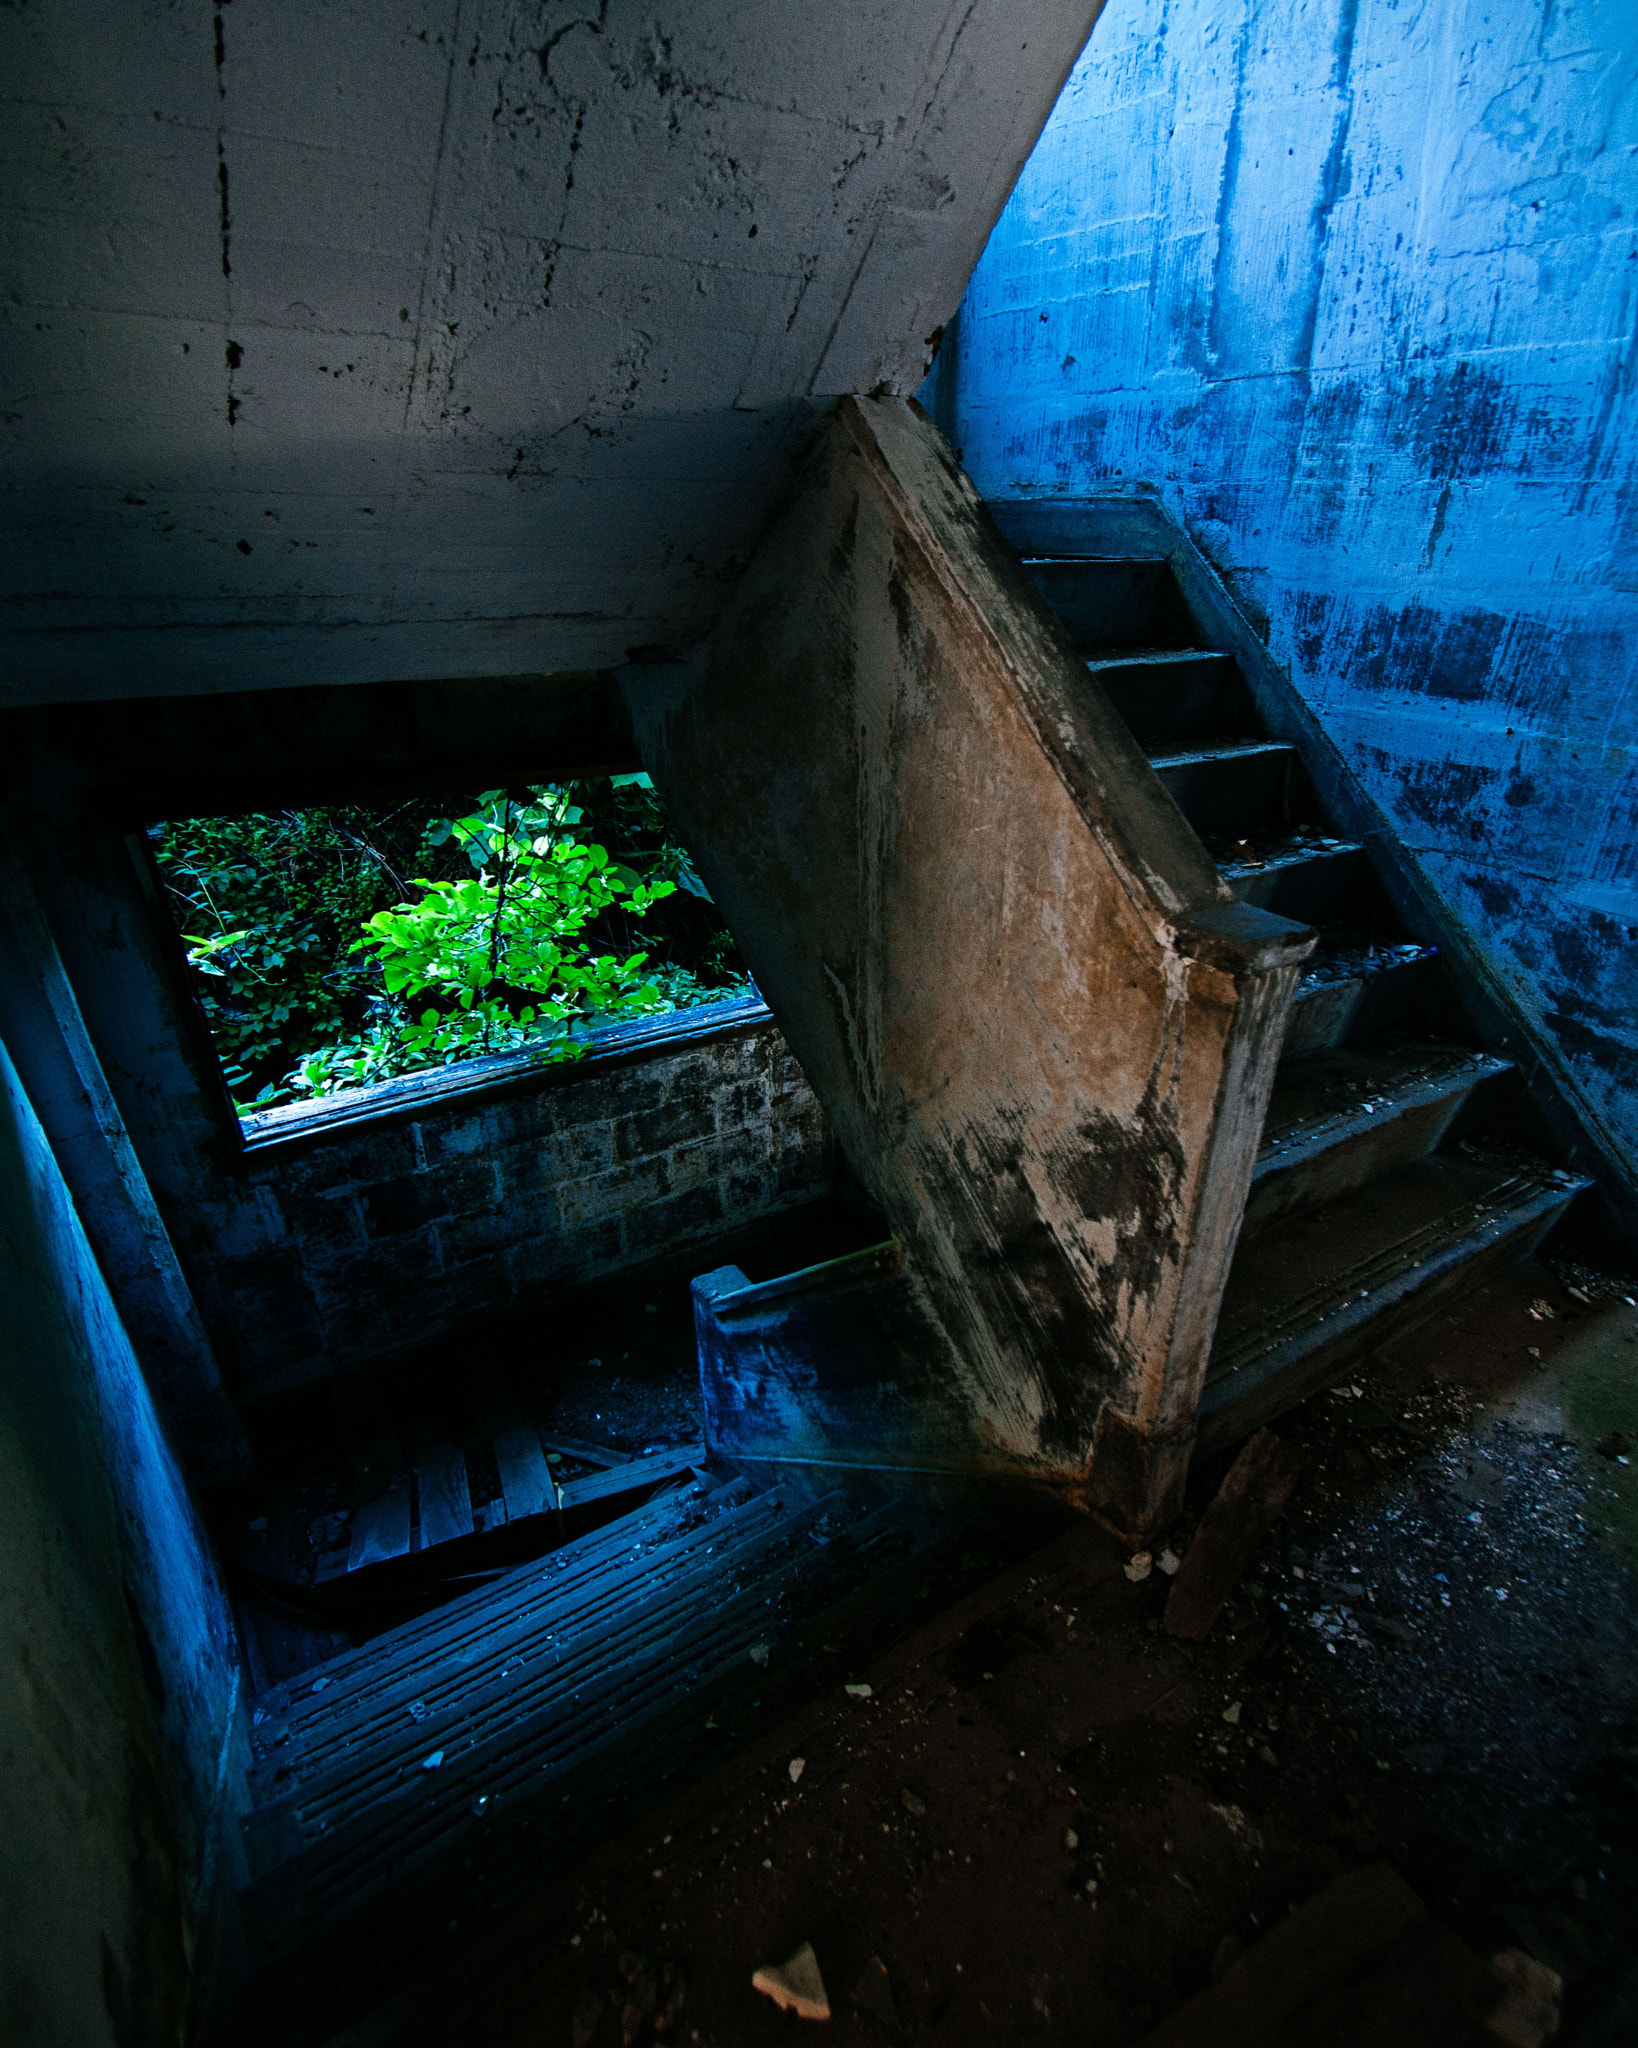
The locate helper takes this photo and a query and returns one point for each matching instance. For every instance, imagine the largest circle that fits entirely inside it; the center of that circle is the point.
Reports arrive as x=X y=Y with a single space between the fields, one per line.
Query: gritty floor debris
x=796 y=1766
x=795 y=1985
x=1364 y=1631
x=857 y=1692
x=1140 y=1566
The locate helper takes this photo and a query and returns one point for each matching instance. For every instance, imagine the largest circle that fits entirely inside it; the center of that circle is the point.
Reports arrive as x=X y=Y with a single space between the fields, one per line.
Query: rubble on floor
x=1432 y=1663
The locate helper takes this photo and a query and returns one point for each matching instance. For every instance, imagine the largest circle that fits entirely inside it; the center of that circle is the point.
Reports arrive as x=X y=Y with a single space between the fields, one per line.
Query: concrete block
x=658 y=1226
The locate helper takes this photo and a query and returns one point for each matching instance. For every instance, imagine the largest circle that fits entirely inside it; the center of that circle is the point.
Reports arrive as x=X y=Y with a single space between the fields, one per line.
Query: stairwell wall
x=119 y=1688
x=1351 y=287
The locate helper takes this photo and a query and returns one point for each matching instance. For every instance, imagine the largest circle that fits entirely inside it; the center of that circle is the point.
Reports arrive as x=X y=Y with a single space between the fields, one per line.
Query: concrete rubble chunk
x=1526 y=2014
x=874 y=1993
x=796 y=1985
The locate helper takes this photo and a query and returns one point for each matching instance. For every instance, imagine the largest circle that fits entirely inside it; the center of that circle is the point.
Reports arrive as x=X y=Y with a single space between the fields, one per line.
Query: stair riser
x=1388 y=1141
x=1326 y=887
x=1240 y=793
x=1178 y=704
x=1109 y=605
x=1339 y=1012
x=1232 y=1407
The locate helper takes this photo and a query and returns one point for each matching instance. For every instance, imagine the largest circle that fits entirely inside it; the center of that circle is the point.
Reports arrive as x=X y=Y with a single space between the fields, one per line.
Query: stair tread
x=1326 y=1097
x=370 y=1743
x=1288 y=1285
x=1156 y=657
x=584 y=1560
x=1224 y=750
x=1289 y=853
x=1331 y=964
x=347 y=1856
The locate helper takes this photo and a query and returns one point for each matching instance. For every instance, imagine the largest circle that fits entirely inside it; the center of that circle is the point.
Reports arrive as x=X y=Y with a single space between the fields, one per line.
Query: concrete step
x=1237 y=788
x=1178 y=697
x=1113 y=602
x=1308 y=878
x=1305 y=1300
x=1339 y=1119
x=1354 y=987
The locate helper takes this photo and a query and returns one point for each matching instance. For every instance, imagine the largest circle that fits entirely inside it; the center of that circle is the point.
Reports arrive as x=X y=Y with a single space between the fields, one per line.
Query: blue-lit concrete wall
x=1351 y=286
x=118 y=1675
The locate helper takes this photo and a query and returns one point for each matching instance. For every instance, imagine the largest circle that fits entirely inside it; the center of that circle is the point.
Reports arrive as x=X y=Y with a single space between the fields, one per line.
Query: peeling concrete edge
x=417 y=1095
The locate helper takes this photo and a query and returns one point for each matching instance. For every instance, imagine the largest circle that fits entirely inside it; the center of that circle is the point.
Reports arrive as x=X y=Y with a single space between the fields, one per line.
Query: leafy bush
x=325 y=971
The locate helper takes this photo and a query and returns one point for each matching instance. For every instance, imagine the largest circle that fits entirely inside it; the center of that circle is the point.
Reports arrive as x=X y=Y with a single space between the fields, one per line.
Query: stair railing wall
x=1043 y=1030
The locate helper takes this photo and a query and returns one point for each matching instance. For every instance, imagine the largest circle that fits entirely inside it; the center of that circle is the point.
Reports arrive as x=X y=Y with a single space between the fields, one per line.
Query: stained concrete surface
x=1350 y=286
x=1341 y=1711
x=358 y=344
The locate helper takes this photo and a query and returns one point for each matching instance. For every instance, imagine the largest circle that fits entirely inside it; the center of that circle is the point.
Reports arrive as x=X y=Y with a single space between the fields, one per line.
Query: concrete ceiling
x=414 y=338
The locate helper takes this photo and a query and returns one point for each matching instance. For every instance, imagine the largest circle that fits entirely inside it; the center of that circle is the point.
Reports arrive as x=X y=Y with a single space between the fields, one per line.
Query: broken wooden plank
x=628 y=1478
x=1427 y=1989
x=381 y=1529
x=1326 y=1941
x=1259 y=1483
x=525 y=1477
x=593 y=1454
x=441 y=1492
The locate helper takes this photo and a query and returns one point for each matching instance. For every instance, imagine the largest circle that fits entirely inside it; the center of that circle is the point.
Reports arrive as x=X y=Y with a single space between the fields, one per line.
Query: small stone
x=915 y=1807
x=1141 y=1566
x=431 y=1763
x=796 y=1766
x=1526 y=2015
x=857 y=1692
x=1170 y=1563
x=1071 y=1839
x=874 y=1993
x=1267 y=1755
x=759 y=1654
x=1231 y=1714
x=795 y=1985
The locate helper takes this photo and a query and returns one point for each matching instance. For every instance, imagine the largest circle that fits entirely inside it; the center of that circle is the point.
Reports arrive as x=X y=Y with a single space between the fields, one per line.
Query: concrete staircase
x=1169 y=1115
x=1390 y=1175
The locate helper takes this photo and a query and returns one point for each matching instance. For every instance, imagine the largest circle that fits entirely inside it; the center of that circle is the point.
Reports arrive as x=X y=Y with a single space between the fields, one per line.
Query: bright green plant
x=529 y=922
x=497 y=959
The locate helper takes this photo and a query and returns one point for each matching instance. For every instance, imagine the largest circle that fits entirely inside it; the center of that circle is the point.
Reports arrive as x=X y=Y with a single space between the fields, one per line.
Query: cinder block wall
x=443 y=1196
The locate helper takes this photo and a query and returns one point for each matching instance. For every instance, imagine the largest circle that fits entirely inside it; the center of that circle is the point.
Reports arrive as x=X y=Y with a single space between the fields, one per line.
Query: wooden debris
x=441 y=1487
x=1361 y=1965
x=381 y=1529
x=627 y=1478
x=1328 y=1940
x=795 y=1986
x=1259 y=1483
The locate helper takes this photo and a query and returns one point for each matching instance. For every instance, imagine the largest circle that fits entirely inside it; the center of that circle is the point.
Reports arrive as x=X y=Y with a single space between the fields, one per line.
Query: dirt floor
x=1049 y=1820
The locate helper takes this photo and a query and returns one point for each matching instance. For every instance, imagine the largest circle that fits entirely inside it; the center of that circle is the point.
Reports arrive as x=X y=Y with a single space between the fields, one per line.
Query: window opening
x=345 y=944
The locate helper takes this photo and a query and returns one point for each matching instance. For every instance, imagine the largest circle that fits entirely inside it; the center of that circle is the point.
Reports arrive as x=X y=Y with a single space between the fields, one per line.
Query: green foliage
x=324 y=971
